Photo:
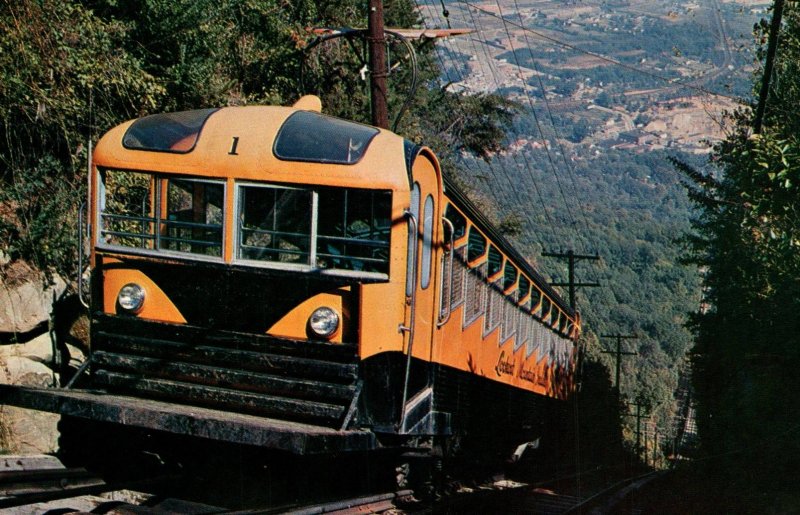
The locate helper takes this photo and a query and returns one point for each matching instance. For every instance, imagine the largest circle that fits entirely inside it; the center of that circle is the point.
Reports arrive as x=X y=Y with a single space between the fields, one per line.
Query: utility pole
x=619 y=353
x=639 y=416
x=769 y=63
x=377 y=64
x=571 y=284
x=655 y=445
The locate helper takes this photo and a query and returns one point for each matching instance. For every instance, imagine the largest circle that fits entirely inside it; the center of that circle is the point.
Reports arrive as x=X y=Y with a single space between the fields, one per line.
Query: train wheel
x=423 y=470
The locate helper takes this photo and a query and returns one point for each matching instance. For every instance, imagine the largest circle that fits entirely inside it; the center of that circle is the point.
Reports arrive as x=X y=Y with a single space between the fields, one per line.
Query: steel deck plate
x=189 y=420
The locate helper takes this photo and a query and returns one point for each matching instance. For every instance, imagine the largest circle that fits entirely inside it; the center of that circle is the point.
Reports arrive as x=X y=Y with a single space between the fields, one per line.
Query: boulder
x=21 y=430
x=26 y=298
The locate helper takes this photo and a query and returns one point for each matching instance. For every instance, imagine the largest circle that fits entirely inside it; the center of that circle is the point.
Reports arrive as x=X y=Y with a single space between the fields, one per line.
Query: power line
x=569 y=168
x=601 y=57
x=493 y=71
x=527 y=165
x=495 y=192
x=505 y=172
x=535 y=119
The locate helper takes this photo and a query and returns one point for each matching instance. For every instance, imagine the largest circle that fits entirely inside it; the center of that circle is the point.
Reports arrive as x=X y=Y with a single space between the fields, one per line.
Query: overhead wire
x=567 y=165
x=446 y=70
x=549 y=222
x=570 y=170
x=613 y=289
x=448 y=52
x=536 y=120
x=513 y=155
x=488 y=61
x=493 y=190
x=636 y=69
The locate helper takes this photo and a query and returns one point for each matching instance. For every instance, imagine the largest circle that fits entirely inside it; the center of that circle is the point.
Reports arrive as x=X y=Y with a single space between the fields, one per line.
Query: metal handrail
x=412 y=222
x=83 y=301
x=452 y=252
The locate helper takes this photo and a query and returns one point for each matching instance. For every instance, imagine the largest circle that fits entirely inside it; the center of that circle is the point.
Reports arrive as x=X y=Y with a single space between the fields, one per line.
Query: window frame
x=237 y=230
x=508 y=289
x=478 y=259
x=492 y=276
x=459 y=222
x=524 y=292
x=228 y=233
x=298 y=267
x=157 y=198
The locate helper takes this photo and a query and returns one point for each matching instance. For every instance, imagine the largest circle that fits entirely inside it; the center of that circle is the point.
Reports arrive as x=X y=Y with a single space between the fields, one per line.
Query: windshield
x=324 y=228
x=189 y=217
x=299 y=228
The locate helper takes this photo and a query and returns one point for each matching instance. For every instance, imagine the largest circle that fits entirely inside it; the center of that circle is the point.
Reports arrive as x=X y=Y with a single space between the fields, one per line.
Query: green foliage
x=71 y=70
x=746 y=239
x=208 y=53
x=60 y=74
x=635 y=210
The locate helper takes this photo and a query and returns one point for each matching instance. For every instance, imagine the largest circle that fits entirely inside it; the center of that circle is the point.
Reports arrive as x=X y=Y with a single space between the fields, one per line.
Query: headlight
x=131 y=297
x=324 y=322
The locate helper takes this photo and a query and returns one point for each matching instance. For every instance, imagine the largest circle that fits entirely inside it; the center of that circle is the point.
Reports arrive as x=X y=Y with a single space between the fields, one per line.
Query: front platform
x=297 y=438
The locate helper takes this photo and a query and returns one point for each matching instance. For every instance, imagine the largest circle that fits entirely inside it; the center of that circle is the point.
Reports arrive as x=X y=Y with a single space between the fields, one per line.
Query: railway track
x=510 y=497
x=501 y=496
x=40 y=484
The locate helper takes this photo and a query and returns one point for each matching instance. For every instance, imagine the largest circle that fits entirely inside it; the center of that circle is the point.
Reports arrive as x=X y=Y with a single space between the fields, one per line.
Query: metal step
x=311 y=382
x=267 y=405
x=225 y=357
x=224 y=378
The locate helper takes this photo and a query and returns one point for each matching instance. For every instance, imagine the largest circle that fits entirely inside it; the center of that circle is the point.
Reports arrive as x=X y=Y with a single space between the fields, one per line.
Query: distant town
x=637 y=75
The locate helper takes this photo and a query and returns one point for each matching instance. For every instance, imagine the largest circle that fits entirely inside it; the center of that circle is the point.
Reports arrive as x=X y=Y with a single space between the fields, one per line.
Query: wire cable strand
x=605 y=58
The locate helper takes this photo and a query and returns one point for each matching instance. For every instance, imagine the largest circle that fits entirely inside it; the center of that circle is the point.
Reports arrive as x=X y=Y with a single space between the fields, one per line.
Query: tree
x=746 y=238
x=70 y=70
x=62 y=75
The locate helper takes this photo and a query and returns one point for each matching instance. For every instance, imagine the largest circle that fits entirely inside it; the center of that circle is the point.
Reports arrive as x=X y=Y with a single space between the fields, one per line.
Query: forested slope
x=747 y=237
x=71 y=70
x=633 y=212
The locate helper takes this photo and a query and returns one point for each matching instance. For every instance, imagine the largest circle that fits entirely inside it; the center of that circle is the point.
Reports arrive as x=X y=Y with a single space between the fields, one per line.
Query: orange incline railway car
x=277 y=277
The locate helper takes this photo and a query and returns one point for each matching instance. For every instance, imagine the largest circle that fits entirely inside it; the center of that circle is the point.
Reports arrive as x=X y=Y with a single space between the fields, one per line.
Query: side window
x=570 y=329
x=427 y=238
x=411 y=265
x=458 y=221
x=524 y=287
x=545 y=308
x=536 y=297
x=274 y=224
x=495 y=261
x=509 y=276
x=476 y=245
x=555 y=318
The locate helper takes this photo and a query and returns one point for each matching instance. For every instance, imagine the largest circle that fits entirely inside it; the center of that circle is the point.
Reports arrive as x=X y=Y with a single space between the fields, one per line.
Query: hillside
x=616 y=88
x=610 y=92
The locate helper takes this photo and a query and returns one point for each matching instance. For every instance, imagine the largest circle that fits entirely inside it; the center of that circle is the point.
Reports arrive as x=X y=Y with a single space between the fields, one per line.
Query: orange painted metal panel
x=295 y=323
x=157 y=306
